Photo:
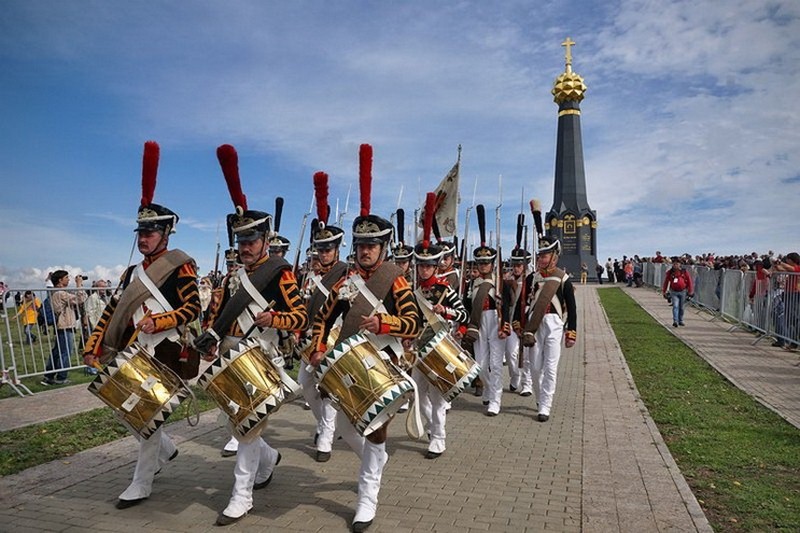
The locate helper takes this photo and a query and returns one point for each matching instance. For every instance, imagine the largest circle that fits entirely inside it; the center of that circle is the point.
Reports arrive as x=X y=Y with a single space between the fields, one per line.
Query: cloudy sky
x=690 y=125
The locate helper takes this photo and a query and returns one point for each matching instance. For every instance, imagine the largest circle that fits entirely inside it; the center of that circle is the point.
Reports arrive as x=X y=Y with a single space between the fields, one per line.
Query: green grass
x=41 y=443
x=740 y=459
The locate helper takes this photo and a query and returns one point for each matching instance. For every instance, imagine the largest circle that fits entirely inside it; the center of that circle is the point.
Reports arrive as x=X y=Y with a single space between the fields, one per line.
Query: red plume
x=229 y=161
x=149 y=171
x=427 y=222
x=365 y=177
x=321 y=194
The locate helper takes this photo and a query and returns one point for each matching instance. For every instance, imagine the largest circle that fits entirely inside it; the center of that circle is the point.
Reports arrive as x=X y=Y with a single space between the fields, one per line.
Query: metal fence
x=769 y=307
x=29 y=346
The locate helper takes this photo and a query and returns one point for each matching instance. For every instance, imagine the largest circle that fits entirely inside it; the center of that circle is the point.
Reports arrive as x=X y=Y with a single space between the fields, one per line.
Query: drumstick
x=269 y=306
x=138 y=329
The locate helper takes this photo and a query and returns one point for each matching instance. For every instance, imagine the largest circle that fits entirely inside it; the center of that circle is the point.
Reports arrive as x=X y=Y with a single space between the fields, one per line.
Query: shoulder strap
x=137 y=292
x=260 y=278
x=477 y=303
x=319 y=296
x=379 y=284
x=543 y=299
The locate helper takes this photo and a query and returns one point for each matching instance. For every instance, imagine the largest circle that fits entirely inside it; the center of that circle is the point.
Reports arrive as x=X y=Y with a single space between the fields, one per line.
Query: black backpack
x=46 y=315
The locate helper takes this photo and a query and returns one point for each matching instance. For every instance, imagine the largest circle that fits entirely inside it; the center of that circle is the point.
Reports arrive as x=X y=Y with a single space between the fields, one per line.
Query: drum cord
x=192 y=405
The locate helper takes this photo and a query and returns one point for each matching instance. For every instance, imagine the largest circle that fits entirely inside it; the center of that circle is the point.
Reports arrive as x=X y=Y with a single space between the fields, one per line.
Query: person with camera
x=64 y=305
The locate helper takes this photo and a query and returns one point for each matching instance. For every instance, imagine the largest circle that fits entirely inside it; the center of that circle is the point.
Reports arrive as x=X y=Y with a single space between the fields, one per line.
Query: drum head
x=142 y=391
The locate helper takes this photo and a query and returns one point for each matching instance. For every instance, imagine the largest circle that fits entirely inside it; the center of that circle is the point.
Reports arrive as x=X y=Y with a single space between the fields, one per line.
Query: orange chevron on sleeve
x=187 y=270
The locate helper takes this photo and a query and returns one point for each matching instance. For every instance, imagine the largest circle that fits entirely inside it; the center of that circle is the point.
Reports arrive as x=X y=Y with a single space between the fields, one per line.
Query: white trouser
x=322 y=409
x=369 y=480
x=434 y=410
x=255 y=462
x=153 y=454
x=489 y=355
x=543 y=359
x=511 y=353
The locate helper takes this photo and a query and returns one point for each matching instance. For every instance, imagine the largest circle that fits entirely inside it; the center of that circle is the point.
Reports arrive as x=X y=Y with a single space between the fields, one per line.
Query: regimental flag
x=447 y=200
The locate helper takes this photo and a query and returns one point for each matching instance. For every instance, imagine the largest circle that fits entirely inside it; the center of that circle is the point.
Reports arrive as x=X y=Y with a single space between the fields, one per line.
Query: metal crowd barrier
x=25 y=349
x=770 y=307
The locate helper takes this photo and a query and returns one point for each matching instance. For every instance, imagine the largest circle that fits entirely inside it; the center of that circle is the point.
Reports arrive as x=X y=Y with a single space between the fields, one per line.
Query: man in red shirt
x=679 y=284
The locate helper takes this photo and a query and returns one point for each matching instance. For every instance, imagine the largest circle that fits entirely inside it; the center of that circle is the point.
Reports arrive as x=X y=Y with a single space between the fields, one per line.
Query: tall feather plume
x=314 y=225
x=481 y=212
x=427 y=222
x=536 y=211
x=149 y=171
x=520 y=225
x=229 y=161
x=278 y=213
x=401 y=226
x=365 y=177
x=229 y=225
x=321 y=194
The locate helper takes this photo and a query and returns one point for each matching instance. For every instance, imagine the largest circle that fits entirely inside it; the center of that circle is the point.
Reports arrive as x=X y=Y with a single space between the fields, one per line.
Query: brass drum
x=306 y=348
x=446 y=365
x=363 y=383
x=248 y=387
x=141 y=390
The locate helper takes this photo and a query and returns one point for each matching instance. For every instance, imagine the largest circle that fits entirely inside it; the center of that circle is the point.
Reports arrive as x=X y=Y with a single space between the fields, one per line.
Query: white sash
x=157 y=304
x=247 y=318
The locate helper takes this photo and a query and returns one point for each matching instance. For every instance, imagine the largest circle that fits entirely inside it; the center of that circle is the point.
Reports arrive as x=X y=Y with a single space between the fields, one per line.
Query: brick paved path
x=770 y=375
x=599 y=464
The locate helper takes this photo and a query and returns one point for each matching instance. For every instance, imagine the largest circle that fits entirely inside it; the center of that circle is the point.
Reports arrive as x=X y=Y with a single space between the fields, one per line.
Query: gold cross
x=568 y=44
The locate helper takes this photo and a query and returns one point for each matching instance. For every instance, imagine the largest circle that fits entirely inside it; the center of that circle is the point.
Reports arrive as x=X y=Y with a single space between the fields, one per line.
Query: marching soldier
x=541 y=325
x=159 y=300
x=441 y=307
x=519 y=374
x=397 y=317
x=266 y=300
x=329 y=271
x=489 y=323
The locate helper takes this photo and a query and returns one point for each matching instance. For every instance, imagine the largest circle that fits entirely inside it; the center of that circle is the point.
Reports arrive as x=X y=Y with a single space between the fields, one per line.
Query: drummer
x=442 y=300
x=266 y=280
x=159 y=299
x=328 y=271
x=397 y=318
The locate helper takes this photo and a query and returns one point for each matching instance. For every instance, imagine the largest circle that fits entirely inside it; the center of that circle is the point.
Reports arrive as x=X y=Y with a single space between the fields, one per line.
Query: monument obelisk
x=571 y=219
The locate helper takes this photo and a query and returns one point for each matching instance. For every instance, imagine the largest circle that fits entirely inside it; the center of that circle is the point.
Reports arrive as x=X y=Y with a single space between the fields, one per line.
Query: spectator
x=63 y=304
x=3 y=290
x=96 y=302
x=791 y=264
x=584 y=272
x=679 y=284
x=658 y=258
x=598 y=269
x=610 y=270
x=29 y=309
x=205 y=287
x=628 y=270
x=758 y=295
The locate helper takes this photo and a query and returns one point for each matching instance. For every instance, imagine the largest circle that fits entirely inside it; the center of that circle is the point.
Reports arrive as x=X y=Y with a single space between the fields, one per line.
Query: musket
x=466 y=240
x=499 y=261
x=215 y=280
x=302 y=232
x=523 y=245
x=340 y=219
x=401 y=238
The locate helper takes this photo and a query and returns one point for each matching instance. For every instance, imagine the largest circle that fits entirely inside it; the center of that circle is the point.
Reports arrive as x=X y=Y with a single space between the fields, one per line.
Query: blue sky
x=690 y=125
